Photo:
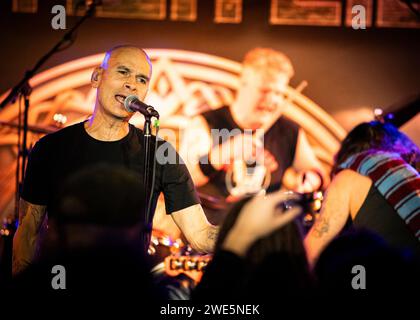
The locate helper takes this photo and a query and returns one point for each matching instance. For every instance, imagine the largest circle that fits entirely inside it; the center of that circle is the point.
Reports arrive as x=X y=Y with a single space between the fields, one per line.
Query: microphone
x=132 y=103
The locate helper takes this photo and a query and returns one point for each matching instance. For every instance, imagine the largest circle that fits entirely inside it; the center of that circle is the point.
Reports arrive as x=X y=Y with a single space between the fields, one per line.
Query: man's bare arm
x=194 y=225
x=31 y=217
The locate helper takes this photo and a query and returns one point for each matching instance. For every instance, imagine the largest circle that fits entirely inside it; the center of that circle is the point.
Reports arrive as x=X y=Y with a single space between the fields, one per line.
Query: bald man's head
x=119 y=48
x=125 y=70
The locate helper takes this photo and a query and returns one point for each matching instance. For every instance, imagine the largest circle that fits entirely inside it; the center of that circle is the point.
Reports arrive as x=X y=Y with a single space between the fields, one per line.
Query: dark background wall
x=345 y=68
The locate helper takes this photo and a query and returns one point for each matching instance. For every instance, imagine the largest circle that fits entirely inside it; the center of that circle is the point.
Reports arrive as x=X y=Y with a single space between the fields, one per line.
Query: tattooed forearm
x=31 y=217
x=205 y=241
x=17 y=265
x=37 y=213
x=23 y=210
x=321 y=227
x=212 y=233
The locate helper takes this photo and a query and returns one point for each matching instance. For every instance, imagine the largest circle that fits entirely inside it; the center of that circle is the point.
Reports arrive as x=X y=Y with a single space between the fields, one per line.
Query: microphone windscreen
x=128 y=101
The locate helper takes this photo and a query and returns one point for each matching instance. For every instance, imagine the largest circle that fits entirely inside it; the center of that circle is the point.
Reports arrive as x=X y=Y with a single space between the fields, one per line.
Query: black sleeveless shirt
x=377 y=215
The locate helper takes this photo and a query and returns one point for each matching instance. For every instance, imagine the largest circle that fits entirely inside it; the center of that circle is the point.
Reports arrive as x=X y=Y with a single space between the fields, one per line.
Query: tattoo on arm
x=212 y=233
x=23 y=210
x=31 y=217
x=321 y=227
x=208 y=240
x=17 y=265
x=36 y=212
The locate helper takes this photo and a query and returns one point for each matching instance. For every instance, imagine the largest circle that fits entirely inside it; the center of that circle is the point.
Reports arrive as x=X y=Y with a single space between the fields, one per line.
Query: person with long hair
x=376 y=186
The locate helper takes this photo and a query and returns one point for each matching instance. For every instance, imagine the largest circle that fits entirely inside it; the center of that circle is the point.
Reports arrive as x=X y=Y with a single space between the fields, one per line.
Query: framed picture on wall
x=125 y=9
x=392 y=13
x=183 y=10
x=303 y=12
x=26 y=6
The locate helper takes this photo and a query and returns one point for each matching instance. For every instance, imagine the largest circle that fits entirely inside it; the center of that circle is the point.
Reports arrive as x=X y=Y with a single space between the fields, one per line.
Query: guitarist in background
x=260 y=97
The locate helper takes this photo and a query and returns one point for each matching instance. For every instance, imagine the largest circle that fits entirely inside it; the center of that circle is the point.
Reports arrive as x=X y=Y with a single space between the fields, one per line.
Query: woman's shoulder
x=356 y=185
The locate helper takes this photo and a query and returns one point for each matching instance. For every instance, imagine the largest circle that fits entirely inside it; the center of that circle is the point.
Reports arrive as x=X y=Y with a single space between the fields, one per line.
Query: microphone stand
x=24 y=89
x=149 y=166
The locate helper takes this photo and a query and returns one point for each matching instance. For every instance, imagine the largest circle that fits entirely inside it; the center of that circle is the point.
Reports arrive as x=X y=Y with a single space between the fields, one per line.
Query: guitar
x=193 y=266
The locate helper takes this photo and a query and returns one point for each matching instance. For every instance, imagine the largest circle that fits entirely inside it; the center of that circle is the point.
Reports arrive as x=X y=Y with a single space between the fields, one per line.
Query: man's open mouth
x=120 y=98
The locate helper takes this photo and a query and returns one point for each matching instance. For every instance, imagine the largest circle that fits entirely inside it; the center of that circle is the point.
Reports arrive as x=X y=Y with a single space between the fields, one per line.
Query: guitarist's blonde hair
x=270 y=60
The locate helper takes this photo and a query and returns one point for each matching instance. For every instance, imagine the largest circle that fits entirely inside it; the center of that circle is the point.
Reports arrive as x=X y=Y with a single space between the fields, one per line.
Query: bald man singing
x=105 y=138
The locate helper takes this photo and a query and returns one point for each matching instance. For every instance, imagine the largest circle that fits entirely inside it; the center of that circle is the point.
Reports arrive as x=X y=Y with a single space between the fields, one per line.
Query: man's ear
x=96 y=77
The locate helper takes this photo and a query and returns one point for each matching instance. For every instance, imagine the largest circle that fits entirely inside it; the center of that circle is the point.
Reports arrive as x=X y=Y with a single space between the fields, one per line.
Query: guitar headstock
x=193 y=266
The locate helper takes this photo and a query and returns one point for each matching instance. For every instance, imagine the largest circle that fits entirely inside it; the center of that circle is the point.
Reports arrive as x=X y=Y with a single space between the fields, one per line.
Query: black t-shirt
x=280 y=140
x=57 y=156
